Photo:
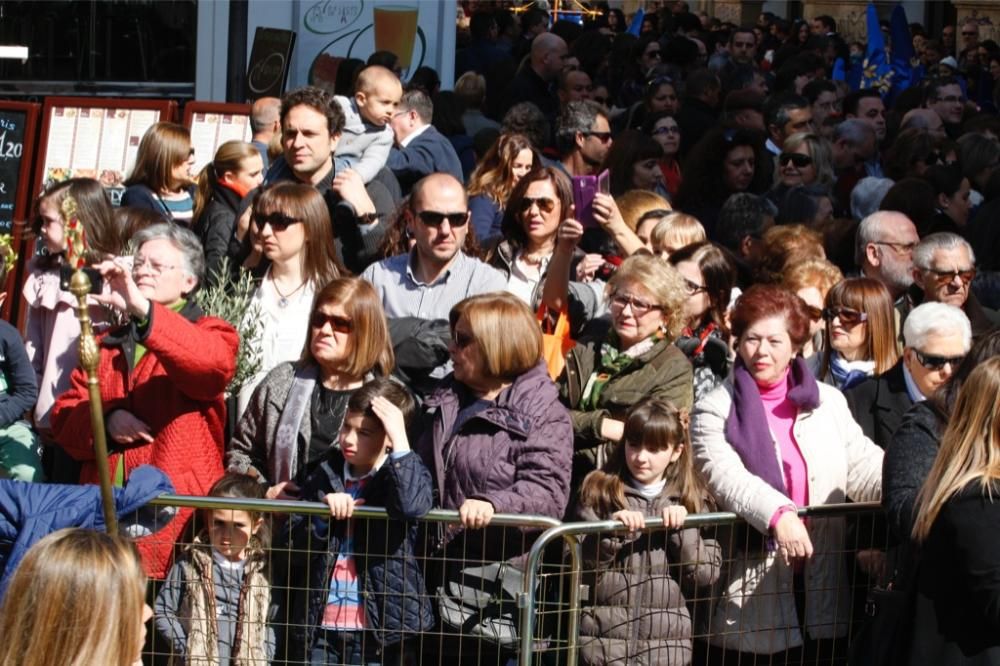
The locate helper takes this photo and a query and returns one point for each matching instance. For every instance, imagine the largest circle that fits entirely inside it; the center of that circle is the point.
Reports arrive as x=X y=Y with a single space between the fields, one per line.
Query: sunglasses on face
x=461 y=340
x=278 y=221
x=435 y=219
x=932 y=362
x=946 y=277
x=848 y=317
x=545 y=204
x=603 y=137
x=339 y=324
x=815 y=313
x=798 y=159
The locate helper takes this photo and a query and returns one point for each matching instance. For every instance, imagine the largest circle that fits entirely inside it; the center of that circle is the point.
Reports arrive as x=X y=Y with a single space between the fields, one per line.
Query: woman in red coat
x=162 y=379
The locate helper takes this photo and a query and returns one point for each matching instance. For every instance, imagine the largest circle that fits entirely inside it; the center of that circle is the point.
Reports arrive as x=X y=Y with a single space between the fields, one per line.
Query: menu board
x=95 y=137
x=212 y=124
x=17 y=146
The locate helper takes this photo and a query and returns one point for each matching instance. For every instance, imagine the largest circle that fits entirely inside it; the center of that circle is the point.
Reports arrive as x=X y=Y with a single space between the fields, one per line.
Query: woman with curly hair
x=492 y=182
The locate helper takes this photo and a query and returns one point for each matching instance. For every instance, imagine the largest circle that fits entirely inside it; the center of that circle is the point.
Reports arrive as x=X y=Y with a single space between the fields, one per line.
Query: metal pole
x=90 y=356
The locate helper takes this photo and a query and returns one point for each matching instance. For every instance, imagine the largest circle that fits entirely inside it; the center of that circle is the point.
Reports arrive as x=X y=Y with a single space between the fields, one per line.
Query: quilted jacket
x=390 y=581
x=177 y=390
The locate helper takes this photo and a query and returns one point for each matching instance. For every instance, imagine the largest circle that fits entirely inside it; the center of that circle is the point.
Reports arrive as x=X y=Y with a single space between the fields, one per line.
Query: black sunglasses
x=603 y=137
x=278 y=221
x=798 y=159
x=932 y=362
x=433 y=218
x=338 y=324
x=461 y=340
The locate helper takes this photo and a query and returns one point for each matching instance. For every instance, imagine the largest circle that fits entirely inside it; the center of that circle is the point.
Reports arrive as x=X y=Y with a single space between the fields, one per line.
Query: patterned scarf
x=614 y=363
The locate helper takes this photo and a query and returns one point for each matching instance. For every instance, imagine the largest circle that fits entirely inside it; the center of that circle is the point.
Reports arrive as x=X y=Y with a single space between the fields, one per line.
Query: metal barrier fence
x=529 y=590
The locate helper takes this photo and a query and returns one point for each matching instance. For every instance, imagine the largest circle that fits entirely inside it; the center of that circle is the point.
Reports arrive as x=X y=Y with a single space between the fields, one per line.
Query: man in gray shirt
x=436 y=274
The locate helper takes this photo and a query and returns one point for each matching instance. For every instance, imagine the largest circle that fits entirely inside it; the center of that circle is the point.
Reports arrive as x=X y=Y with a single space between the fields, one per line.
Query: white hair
x=936 y=319
x=923 y=254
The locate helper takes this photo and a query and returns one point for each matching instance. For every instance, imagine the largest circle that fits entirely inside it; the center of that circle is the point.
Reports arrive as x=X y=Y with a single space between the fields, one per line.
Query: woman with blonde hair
x=811 y=280
x=222 y=184
x=161 y=178
x=491 y=184
x=673 y=232
x=295 y=413
x=805 y=159
x=860 y=336
x=291 y=225
x=785 y=246
x=956 y=595
x=76 y=599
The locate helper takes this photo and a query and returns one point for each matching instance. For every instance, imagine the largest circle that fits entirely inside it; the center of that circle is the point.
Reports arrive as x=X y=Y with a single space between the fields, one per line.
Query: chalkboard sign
x=270 y=60
x=17 y=143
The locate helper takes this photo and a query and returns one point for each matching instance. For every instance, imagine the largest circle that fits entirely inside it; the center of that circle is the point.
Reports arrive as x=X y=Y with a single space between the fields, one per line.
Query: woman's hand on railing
x=792 y=537
x=475 y=514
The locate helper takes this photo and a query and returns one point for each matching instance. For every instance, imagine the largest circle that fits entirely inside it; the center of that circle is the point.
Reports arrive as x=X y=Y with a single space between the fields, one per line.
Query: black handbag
x=481 y=601
x=888 y=615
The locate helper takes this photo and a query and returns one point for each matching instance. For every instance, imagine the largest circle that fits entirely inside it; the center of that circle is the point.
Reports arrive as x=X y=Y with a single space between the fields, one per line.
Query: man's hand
x=351 y=188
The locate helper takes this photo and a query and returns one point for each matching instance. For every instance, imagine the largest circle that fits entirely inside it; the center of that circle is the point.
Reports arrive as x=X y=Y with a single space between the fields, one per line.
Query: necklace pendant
x=282 y=302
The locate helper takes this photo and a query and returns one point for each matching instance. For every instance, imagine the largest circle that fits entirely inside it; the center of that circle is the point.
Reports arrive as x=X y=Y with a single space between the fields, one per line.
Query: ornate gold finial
x=76 y=237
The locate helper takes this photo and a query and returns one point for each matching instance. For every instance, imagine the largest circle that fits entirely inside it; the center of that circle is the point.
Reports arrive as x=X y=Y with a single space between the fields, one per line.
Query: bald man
x=265 y=123
x=535 y=80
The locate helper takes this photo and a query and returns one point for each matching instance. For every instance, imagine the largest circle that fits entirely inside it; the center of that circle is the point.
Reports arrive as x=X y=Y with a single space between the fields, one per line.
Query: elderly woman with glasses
x=769 y=440
x=291 y=228
x=295 y=413
x=629 y=356
x=162 y=379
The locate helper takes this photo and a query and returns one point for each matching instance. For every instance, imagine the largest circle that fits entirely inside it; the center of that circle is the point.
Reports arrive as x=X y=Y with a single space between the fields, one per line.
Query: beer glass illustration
x=396 y=30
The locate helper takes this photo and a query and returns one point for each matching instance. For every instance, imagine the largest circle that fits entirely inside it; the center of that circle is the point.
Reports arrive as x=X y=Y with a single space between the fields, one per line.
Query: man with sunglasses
x=583 y=137
x=436 y=274
x=936 y=339
x=944 y=266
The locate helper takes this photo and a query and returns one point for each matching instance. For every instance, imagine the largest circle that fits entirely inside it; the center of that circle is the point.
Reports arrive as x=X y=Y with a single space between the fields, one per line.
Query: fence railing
x=571 y=593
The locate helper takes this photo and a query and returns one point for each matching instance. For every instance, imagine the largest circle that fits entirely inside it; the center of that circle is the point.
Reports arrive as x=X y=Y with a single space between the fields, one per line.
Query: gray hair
x=417 y=100
x=578 y=116
x=942 y=240
x=853 y=130
x=867 y=195
x=936 y=319
x=869 y=231
x=183 y=239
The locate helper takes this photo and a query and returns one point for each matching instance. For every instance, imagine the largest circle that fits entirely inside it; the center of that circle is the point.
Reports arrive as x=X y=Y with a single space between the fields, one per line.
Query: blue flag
x=904 y=61
x=877 y=73
x=635 y=27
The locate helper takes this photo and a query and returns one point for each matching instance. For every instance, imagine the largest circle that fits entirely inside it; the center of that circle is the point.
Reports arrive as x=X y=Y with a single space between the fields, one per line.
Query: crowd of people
x=771 y=300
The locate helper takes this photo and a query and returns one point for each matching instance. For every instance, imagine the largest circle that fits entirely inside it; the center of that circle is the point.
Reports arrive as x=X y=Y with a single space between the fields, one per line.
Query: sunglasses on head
x=278 y=221
x=339 y=324
x=932 y=362
x=432 y=218
x=848 y=317
x=545 y=204
x=798 y=159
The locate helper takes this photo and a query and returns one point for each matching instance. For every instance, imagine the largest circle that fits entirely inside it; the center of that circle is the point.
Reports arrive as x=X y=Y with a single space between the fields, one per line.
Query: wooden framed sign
x=212 y=124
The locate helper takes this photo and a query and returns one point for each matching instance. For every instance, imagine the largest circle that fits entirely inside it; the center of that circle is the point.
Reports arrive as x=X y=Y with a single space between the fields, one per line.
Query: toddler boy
x=367 y=138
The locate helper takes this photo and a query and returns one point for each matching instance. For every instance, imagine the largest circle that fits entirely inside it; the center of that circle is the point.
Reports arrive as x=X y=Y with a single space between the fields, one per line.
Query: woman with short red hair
x=770 y=440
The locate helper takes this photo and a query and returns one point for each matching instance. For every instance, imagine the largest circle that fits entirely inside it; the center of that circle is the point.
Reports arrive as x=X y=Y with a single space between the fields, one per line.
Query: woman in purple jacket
x=496 y=440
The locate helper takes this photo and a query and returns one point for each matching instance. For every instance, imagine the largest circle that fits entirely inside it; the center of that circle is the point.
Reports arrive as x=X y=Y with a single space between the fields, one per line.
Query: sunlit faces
x=467 y=359
x=926 y=365
x=306 y=141
x=438 y=244
x=380 y=104
x=814 y=302
x=158 y=271
x=249 y=176
x=230 y=531
x=330 y=331
x=362 y=442
x=279 y=242
x=183 y=172
x=766 y=349
x=635 y=314
x=797 y=167
x=648 y=466
x=597 y=142
x=738 y=168
x=522 y=164
x=948 y=277
x=848 y=332
x=646 y=174
x=541 y=226
x=52 y=231
x=698 y=301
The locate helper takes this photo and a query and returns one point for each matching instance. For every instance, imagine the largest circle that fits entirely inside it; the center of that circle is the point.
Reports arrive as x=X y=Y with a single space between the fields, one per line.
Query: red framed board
x=95 y=137
x=18 y=134
x=212 y=124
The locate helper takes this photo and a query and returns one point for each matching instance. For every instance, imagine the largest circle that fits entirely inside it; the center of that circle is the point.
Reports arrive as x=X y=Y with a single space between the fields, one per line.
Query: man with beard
x=884 y=250
x=583 y=138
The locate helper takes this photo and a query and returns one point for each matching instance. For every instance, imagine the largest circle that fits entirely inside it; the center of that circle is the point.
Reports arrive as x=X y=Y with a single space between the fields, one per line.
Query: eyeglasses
x=545 y=204
x=901 y=248
x=603 y=137
x=932 y=362
x=849 y=318
x=944 y=277
x=639 y=308
x=278 y=221
x=339 y=324
x=461 y=340
x=154 y=268
x=433 y=218
x=798 y=159
x=667 y=129
x=693 y=288
x=815 y=313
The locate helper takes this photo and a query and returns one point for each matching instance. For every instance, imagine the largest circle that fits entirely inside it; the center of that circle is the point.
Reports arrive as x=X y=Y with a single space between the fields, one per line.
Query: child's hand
x=674 y=516
x=393 y=422
x=286 y=490
x=634 y=520
x=342 y=505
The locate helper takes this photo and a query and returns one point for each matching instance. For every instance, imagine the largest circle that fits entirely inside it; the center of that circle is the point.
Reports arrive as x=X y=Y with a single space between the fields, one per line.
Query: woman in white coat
x=769 y=440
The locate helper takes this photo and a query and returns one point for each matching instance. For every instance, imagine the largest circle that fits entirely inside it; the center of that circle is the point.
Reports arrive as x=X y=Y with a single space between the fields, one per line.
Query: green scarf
x=614 y=362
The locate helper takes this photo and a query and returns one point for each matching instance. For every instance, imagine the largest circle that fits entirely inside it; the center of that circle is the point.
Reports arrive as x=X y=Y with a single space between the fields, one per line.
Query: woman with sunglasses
x=161 y=179
x=805 y=159
x=709 y=278
x=646 y=54
x=860 y=337
x=290 y=225
x=665 y=131
x=768 y=441
x=490 y=185
x=616 y=361
x=296 y=412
